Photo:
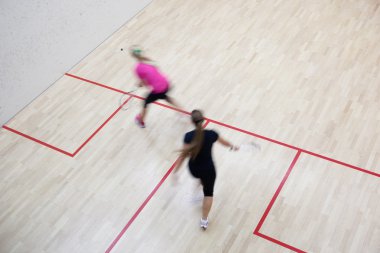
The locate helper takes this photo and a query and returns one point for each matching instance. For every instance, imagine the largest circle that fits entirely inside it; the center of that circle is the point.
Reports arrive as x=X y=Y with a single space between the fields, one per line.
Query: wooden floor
x=301 y=78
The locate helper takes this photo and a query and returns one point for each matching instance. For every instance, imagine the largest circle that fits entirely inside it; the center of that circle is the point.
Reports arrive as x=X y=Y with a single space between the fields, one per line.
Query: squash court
x=299 y=78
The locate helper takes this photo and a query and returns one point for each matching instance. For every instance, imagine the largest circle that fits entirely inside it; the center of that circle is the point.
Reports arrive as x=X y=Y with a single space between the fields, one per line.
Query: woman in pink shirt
x=150 y=76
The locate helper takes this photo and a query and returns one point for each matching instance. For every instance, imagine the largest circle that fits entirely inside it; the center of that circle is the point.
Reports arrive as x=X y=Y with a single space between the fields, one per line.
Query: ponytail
x=196 y=143
x=138 y=53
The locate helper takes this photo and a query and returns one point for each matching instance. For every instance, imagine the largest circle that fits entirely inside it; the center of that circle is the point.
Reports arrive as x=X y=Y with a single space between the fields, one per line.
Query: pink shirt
x=152 y=77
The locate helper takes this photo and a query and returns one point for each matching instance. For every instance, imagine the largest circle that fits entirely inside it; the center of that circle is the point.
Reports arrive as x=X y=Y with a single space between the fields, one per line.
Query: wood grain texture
x=306 y=73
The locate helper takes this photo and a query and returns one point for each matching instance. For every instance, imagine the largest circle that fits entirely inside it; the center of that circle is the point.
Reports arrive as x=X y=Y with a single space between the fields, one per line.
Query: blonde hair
x=136 y=51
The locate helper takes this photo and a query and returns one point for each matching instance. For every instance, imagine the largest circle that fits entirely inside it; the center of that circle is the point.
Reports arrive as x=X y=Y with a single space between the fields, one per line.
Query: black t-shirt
x=204 y=155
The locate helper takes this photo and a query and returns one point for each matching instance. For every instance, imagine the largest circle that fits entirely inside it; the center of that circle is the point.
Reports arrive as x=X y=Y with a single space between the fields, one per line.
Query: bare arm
x=181 y=158
x=141 y=83
x=227 y=144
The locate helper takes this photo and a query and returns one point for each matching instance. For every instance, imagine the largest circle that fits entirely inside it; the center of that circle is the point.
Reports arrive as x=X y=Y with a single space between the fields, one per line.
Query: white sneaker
x=204 y=223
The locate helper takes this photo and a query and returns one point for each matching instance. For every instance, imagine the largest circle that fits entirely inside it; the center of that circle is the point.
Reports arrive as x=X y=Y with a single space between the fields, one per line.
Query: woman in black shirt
x=197 y=146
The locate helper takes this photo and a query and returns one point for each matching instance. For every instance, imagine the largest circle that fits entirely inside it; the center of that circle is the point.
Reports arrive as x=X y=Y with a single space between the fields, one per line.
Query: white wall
x=42 y=39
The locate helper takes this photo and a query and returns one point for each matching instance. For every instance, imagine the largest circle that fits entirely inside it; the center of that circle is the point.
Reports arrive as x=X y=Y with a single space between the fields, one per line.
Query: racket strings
x=250 y=147
x=124 y=98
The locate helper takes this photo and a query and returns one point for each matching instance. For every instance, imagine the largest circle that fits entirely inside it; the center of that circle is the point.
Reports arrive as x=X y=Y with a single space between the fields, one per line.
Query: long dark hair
x=196 y=143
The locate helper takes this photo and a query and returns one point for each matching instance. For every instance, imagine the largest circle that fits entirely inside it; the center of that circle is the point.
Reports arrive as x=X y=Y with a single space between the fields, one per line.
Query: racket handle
x=234 y=148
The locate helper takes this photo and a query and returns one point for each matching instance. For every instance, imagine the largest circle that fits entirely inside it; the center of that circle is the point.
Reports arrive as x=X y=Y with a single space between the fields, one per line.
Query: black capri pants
x=207 y=175
x=155 y=96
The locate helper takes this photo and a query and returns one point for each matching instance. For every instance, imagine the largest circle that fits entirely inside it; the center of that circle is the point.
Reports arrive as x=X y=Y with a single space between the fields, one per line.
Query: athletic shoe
x=139 y=122
x=204 y=223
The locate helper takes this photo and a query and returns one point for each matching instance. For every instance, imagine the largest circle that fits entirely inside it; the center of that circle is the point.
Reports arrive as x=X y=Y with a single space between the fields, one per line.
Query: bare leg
x=171 y=101
x=140 y=118
x=207 y=203
x=143 y=113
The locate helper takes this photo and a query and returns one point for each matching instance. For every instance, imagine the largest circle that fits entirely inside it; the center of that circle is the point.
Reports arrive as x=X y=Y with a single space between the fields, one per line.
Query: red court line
x=81 y=146
x=179 y=110
x=206 y=123
x=124 y=92
x=296 y=148
x=141 y=208
x=99 y=128
x=279 y=242
x=256 y=232
x=129 y=223
x=98 y=84
x=253 y=134
x=172 y=108
x=238 y=129
x=340 y=163
x=261 y=222
x=269 y=207
x=38 y=141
